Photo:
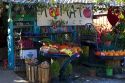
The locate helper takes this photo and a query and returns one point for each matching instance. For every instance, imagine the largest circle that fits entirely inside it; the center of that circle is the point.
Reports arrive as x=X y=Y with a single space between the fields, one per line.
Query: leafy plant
x=55 y=68
x=46 y=40
x=68 y=70
x=107 y=37
x=120 y=27
x=87 y=31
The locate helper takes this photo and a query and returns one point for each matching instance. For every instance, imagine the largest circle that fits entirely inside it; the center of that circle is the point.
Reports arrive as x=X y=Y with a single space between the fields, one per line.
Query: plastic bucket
x=109 y=71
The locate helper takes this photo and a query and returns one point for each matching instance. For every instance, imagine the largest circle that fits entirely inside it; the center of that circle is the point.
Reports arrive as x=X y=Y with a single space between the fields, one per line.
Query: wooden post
x=11 y=60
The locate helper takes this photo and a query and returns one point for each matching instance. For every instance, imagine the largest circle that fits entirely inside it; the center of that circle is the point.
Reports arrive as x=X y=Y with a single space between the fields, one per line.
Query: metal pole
x=11 y=61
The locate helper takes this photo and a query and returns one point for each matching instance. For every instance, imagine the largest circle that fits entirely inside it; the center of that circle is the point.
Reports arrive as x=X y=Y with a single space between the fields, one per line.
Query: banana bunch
x=67 y=51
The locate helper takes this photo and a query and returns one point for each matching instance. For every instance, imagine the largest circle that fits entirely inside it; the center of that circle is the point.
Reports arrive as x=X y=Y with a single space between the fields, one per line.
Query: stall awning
x=50 y=1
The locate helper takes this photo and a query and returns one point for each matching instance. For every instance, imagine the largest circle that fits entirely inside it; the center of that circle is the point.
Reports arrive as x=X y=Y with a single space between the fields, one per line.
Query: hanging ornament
x=112 y=15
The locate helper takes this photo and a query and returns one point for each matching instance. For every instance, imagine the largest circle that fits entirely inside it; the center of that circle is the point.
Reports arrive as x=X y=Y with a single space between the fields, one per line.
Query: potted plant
x=107 y=38
x=54 y=69
x=68 y=70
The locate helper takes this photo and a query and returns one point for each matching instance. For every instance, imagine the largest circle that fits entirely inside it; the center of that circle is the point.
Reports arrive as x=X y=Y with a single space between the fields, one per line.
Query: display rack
x=62 y=33
x=21 y=26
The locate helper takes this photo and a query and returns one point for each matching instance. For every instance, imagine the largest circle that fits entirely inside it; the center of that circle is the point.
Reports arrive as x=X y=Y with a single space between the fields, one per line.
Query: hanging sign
x=73 y=14
x=28 y=54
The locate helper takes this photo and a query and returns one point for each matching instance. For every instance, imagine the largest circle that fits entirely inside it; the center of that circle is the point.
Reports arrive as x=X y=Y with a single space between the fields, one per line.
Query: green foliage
x=59 y=40
x=84 y=55
x=119 y=1
x=88 y=34
x=87 y=31
x=55 y=68
x=46 y=40
x=40 y=58
x=68 y=70
x=107 y=37
x=121 y=27
x=99 y=1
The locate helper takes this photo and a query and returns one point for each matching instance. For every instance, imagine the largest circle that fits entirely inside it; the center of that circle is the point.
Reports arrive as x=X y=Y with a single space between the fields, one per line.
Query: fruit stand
x=112 y=47
x=69 y=52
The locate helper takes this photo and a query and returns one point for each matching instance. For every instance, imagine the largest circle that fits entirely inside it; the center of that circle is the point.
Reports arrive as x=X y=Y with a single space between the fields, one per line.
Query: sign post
x=11 y=61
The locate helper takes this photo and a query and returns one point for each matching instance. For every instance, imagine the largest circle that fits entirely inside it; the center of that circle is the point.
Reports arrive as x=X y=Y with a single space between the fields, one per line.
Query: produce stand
x=88 y=37
x=65 y=63
x=111 y=50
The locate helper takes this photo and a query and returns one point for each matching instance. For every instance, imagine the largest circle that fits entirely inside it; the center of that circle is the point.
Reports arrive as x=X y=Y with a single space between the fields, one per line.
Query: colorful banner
x=69 y=15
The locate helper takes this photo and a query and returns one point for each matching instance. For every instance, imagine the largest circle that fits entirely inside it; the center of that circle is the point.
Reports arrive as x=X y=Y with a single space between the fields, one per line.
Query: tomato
x=87 y=12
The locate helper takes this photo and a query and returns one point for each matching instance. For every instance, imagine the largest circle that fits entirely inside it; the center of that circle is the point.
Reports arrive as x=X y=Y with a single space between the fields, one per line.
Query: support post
x=11 y=60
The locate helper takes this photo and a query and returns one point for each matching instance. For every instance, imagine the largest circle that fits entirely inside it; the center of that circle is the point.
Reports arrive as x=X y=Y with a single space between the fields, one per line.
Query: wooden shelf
x=35 y=36
x=23 y=20
x=57 y=33
x=111 y=57
x=23 y=26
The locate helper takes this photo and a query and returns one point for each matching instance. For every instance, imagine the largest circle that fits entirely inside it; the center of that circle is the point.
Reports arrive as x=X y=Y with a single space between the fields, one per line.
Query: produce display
x=67 y=49
x=110 y=53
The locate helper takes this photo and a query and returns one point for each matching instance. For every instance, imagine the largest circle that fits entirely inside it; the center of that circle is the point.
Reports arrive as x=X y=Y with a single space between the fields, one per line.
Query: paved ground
x=98 y=80
x=8 y=76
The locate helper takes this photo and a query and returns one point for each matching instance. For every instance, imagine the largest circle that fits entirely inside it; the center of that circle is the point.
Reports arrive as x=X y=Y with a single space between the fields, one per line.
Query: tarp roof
x=49 y=1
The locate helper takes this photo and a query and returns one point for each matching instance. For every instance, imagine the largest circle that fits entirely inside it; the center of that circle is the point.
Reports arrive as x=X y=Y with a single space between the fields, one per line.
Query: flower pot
x=108 y=43
x=109 y=72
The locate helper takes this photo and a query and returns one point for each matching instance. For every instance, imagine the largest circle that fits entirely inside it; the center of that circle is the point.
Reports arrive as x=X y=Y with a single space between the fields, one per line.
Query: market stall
x=112 y=46
x=55 y=22
x=63 y=22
